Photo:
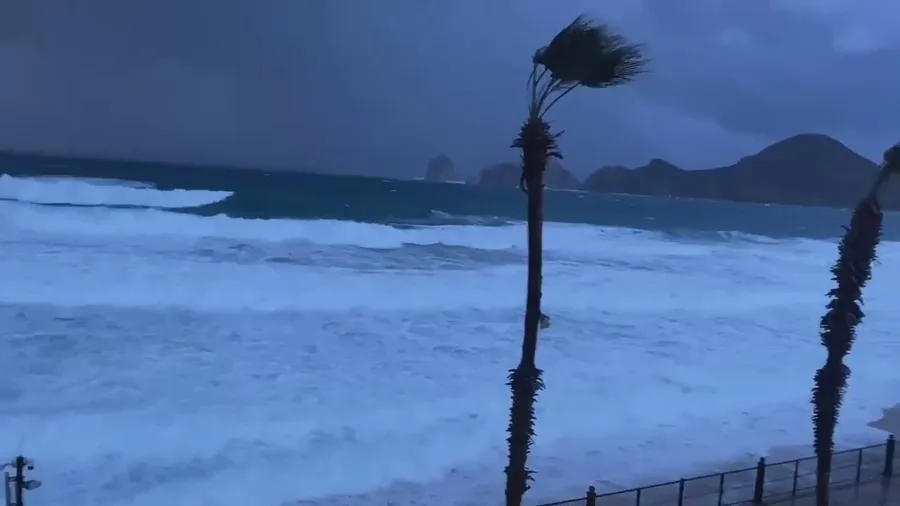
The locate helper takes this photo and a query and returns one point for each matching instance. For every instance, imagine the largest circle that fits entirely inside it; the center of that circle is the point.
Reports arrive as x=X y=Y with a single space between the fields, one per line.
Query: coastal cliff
x=506 y=175
x=806 y=170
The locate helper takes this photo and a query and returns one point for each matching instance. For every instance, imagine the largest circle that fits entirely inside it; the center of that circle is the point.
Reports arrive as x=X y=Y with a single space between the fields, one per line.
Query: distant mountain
x=806 y=169
x=440 y=169
x=506 y=175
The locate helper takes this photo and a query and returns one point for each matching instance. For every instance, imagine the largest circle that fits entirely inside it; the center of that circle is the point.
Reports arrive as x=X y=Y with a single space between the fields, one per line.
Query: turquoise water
x=287 y=195
x=420 y=203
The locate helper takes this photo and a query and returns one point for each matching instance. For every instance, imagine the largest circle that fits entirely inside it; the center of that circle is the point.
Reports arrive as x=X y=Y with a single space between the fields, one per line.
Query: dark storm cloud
x=776 y=68
x=380 y=86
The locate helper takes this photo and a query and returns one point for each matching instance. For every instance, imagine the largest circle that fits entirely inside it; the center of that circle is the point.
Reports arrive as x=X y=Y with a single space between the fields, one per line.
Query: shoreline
x=433 y=492
x=889 y=421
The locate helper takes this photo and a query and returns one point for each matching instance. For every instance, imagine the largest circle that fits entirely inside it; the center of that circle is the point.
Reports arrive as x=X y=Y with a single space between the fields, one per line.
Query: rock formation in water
x=506 y=175
x=440 y=169
x=806 y=169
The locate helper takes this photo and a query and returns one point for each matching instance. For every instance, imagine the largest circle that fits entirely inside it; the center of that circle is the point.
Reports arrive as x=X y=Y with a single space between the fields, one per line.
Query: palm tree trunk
x=830 y=383
x=537 y=145
x=852 y=271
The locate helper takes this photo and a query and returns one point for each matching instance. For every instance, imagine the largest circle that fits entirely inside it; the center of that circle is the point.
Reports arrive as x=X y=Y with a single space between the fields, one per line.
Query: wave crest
x=75 y=192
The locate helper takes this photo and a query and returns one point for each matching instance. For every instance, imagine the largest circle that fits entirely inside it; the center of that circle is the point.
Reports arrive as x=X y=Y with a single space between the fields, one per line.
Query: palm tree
x=852 y=270
x=585 y=53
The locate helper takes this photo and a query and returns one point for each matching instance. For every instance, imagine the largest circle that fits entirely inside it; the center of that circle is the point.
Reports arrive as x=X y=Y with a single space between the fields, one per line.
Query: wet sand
x=873 y=490
x=780 y=486
x=889 y=421
x=737 y=486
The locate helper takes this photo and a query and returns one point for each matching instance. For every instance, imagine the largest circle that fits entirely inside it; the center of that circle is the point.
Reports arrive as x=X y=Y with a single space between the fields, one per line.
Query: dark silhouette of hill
x=506 y=175
x=806 y=170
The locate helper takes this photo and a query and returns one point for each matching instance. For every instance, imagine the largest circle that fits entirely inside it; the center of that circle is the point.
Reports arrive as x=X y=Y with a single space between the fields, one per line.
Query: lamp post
x=16 y=484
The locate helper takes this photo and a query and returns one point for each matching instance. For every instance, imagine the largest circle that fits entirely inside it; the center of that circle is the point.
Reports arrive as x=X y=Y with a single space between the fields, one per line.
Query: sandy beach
x=738 y=486
x=889 y=421
x=876 y=492
x=873 y=491
x=779 y=478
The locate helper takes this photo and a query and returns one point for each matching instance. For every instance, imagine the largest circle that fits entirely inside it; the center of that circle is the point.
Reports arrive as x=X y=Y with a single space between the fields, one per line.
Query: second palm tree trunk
x=857 y=251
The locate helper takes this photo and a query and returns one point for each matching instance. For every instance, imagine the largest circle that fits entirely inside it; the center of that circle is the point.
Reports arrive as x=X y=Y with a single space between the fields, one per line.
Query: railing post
x=889 y=456
x=859 y=463
x=759 y=486
x=796 y=476
x=681 y=492
x=721 y=489
x=591 y=499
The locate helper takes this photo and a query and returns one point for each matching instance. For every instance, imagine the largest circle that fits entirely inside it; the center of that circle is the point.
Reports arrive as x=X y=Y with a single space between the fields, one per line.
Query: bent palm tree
x=852 y=270
x=587 y=54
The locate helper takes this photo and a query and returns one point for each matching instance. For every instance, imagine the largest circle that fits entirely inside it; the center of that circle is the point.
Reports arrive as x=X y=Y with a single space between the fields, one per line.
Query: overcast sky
x=380 y=86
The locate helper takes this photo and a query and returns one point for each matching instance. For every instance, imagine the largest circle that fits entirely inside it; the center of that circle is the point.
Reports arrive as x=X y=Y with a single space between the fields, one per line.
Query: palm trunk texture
x=852 y=270
x=537 y=144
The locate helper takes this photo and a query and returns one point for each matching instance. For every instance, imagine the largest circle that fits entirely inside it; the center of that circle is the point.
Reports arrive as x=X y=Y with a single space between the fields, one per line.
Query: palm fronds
x=584 y=53
x=853 y=269
x=590 y=54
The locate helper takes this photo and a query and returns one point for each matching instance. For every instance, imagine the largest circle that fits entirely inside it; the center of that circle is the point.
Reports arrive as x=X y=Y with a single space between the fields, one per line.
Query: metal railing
x=765 y=482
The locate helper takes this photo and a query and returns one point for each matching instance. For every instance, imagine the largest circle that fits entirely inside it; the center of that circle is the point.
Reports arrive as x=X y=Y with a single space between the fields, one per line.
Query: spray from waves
x=109 y=224
x=706 y=236
x=102 y=223
x=441 y=218
x=95 y=193
x=93 y=180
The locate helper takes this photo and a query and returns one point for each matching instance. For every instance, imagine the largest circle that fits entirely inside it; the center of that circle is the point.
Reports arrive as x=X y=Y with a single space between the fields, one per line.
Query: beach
x=702 y=492
x=872 y=491
x=889 y=421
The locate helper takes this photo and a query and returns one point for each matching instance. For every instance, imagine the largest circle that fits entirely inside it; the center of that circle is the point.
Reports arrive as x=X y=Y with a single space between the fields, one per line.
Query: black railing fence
x=766 y=482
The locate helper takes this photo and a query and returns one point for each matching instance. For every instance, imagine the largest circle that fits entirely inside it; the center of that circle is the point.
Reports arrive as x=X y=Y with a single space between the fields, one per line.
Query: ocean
x=324 y=340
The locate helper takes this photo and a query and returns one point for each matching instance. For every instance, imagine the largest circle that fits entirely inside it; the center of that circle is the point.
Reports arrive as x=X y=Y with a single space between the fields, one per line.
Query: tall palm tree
x=852 y=270
x=584 y=54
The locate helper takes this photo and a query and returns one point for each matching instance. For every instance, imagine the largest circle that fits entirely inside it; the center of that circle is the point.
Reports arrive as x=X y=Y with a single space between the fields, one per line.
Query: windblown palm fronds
x=851 y=272
x=588 y=54
x=585 y=53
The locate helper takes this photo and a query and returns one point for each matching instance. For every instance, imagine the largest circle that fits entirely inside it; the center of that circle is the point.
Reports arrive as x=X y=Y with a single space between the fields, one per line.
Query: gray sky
x=380 y=86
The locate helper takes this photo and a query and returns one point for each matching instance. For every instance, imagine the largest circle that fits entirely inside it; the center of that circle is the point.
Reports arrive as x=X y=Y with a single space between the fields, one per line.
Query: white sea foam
x=143 y=376
x=150 y=224
x=99 y=192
